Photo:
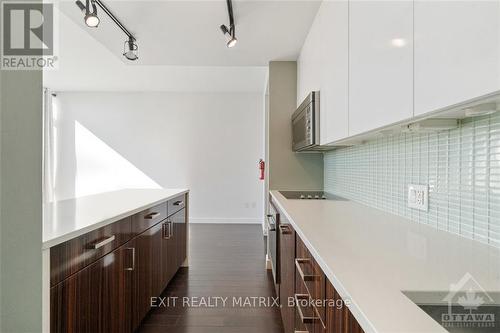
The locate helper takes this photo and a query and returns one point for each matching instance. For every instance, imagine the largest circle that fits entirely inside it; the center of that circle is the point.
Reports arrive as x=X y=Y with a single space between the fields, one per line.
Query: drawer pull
x=285 y=229
x=103 y=242
x=303 y=276
x=151 y=216
x=304 y=319
x=133 y=259
x=179 y=203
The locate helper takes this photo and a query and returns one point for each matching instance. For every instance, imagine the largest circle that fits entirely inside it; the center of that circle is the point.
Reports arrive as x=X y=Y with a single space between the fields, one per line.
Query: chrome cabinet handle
x=151 y=216
x=304 y=319
x=285 y=229
x=179 y=203
x=133 y=259
x=167 y=230
x=271 y=226
x=303 y=276
x=103 y=242
x=170 y=229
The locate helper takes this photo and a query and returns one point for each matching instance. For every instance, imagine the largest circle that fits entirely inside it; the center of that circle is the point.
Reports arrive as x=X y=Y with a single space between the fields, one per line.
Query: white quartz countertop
x=371 y=257
x=67 y=219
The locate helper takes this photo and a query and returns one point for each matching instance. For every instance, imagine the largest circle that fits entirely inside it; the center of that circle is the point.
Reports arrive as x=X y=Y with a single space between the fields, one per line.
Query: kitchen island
x=106 y=255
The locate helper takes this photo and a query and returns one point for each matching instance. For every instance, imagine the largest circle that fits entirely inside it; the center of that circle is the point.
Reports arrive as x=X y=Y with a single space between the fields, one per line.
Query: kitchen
x=237 y=166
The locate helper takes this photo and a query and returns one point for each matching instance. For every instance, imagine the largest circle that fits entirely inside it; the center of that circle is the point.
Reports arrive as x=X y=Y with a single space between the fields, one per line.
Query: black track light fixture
x=229 y=33
x=90 y=11
x=92 y=20
x=130 y=50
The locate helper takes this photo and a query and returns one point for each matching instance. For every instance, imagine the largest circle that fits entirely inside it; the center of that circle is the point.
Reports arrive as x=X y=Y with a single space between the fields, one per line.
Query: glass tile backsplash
x=461 y=167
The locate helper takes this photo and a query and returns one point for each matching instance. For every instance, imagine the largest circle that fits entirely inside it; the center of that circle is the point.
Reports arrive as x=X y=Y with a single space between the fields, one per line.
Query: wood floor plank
x=225 y=261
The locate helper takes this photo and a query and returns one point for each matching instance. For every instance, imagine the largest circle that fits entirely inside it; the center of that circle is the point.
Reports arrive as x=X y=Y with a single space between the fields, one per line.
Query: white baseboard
x=225 y=220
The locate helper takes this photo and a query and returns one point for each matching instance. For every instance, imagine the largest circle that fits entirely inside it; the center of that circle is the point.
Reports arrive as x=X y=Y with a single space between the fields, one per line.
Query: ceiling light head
x=90 y=10
x=131 y=49
x=92 y=20
x=231 y=40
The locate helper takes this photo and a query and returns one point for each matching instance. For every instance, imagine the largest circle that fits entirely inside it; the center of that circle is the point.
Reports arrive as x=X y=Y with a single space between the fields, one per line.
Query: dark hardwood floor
x=225 y=261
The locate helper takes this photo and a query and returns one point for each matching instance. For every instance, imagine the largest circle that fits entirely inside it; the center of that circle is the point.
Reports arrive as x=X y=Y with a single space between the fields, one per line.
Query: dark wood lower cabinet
x=96 y=299
x=339 y=318
x=328 y=314
x=147 y=273
x=113 y=294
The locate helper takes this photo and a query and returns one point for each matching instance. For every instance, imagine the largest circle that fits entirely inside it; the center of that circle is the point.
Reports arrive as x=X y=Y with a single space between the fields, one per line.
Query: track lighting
x=229 y=33
x=92 y=20
x=131 y=50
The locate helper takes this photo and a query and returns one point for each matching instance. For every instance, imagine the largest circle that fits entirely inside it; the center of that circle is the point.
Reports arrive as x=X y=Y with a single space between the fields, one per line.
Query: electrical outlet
x=418 y=197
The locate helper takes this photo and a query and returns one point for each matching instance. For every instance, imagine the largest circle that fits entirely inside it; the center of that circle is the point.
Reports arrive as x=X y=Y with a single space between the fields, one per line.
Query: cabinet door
x=97 y=298
x=168 y=252
x=287 y=274
x=334 y=52
x=179 y=236
x=323 y=66
x=457 y=52
x=148 y=280
x=380 y=64
x=338 y=317
x=309 y=63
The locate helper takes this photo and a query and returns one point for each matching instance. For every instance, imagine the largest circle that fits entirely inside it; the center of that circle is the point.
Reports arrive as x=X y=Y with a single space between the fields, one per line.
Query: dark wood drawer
x=72 y=256
x=311 y=280
x=148 y=218
x=176 y=204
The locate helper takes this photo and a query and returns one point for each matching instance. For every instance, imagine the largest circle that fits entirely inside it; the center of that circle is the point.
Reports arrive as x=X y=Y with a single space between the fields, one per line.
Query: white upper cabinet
x=457 y=52
x=334 y=98
x=380 y=64
x=323 y=66
x=309 y=64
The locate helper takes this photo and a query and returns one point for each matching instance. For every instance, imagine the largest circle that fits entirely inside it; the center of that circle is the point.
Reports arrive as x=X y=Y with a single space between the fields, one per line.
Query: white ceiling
x=180 y=46
x=187 y=33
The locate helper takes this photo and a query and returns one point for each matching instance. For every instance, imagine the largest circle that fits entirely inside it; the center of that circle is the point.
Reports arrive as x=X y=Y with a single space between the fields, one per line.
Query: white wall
x=288 y=170
x=207 y=142
x=21 y=201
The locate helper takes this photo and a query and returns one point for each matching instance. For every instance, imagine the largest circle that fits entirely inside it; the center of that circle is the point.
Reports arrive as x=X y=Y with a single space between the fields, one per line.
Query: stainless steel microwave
x=305 y=124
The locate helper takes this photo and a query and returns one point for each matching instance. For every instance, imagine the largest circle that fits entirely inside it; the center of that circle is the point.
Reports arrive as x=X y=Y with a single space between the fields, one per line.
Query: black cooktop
x=310 y=195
